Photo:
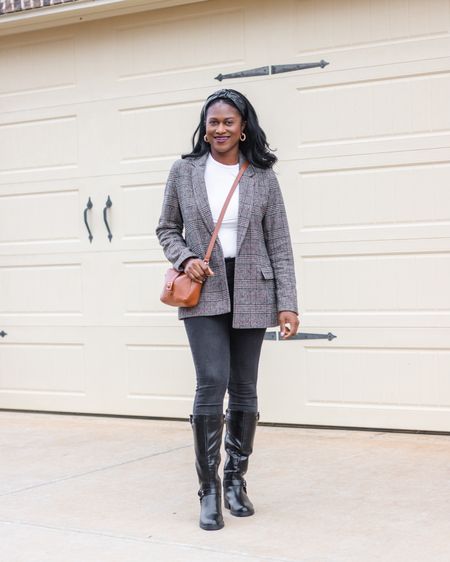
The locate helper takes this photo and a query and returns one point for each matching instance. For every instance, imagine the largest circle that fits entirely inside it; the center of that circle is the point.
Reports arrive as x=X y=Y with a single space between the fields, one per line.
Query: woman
x=248 y=286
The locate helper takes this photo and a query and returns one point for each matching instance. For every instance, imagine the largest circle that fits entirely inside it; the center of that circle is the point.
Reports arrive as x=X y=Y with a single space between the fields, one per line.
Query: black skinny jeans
x=225 y=358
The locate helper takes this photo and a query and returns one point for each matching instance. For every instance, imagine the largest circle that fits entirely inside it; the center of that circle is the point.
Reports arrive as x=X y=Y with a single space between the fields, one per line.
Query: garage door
x=94 y=114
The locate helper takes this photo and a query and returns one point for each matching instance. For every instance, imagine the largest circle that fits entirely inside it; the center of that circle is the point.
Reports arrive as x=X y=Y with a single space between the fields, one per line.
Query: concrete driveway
x=93 y=489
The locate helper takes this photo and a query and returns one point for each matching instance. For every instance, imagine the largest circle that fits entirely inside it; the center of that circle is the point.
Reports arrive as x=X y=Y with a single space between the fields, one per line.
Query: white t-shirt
x=218 y=179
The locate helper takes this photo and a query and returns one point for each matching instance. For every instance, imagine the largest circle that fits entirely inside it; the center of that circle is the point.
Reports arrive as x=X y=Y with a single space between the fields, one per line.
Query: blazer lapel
x=246 y=191
x=200 y=192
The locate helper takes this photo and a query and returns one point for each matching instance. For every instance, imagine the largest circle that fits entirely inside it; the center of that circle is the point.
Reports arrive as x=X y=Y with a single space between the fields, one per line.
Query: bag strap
x=222 y=213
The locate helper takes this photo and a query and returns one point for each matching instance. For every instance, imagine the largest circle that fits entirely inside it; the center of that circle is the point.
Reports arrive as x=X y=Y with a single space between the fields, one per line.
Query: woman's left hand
x=288 y=317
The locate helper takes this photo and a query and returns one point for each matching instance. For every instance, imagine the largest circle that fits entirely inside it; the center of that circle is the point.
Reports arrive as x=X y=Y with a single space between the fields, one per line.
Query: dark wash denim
x=225 y=358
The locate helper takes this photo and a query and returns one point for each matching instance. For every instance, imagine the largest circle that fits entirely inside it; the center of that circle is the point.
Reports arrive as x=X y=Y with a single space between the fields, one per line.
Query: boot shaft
x=207 y=431
x=239 y=439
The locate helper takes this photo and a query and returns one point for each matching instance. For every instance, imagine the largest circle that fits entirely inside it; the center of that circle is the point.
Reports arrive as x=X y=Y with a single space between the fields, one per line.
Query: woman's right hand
x=196 y=269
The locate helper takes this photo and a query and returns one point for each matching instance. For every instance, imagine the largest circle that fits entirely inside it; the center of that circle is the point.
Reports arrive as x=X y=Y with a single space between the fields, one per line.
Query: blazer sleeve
x=170 y=226
x=279 y=247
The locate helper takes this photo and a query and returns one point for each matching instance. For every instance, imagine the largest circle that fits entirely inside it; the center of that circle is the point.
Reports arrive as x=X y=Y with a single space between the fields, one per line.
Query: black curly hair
x=255 y=147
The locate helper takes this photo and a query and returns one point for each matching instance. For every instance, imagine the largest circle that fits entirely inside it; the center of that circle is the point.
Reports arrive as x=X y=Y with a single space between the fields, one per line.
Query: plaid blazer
x=264 y=268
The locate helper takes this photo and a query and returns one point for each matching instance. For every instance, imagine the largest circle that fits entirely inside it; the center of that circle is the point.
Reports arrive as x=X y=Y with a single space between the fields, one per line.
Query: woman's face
x=224 y=126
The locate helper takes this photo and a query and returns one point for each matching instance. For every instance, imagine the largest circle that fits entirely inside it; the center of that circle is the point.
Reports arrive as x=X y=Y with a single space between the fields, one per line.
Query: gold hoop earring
x=243 y=139
x=205 y=138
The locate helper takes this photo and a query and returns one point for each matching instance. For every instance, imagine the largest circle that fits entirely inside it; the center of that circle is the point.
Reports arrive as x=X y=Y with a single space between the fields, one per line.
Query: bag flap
x=171 y=275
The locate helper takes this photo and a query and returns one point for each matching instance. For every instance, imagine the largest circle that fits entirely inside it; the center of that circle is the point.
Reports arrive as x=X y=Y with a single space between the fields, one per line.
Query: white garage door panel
x=141 y=209
x=174 y=50
x=47 y=217
x=24 y=149
x=97 y=369
x=47 y=144
x=55 y=54
x=57 y=366
x=364 y=168
x=368 y=377
x=43 y=367
x=57 y=289
x=152 y=374
x=377 y=283
x=145 y=121
x=135 y=135
x=404 y=377
x=142 y=287
x=338 y=25
x=159 y=372
x=156 y=51
x=97 y=288
x=31 y=289
x=38 y=215
x=20 y=59
x=379 y=109
x=384 y=201
x=365 y=33
x=385 y=105
x=136 y=40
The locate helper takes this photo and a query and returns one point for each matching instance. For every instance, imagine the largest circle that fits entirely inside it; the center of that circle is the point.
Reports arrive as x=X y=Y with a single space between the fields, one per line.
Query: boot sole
x=212 y=527
x=236 y=513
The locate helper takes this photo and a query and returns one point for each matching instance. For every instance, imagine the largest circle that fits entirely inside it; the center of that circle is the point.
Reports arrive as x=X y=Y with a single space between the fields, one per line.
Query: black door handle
x=3 y=333
x=88 y=207
x=107 y=206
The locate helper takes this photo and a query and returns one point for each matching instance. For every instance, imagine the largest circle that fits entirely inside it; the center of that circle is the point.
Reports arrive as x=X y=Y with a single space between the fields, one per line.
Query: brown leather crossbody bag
x=181 y=290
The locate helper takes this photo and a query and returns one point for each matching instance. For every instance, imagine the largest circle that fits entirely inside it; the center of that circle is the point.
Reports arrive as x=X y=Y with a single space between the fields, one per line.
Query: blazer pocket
x=267 y=272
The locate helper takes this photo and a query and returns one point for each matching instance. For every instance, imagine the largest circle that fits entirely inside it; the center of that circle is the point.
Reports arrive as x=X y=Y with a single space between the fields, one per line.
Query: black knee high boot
x=240 y=432
x=207 y=431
